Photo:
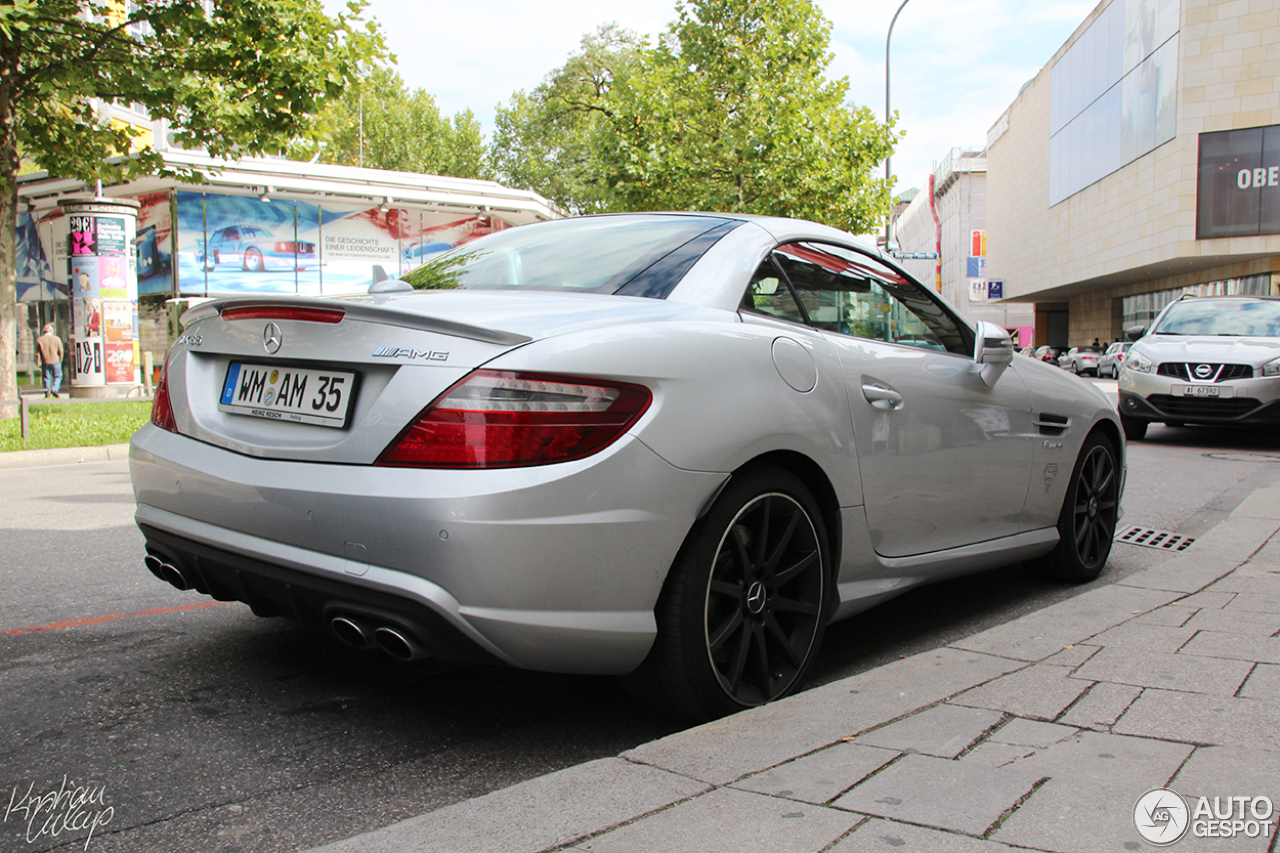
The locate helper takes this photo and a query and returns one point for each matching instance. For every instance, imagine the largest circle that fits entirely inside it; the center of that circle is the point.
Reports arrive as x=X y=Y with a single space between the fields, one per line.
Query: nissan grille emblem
x=271 y=338
x=1204 y=371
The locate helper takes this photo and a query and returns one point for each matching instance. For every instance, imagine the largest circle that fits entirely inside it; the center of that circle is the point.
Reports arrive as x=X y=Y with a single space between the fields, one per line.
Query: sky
x=955 y=65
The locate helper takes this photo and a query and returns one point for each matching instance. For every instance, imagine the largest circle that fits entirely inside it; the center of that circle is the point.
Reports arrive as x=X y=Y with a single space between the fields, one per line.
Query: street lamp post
x=888 y=157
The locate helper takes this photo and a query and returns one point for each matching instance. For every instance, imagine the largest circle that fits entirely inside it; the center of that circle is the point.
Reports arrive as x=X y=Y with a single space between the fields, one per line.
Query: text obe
x=1260 y=177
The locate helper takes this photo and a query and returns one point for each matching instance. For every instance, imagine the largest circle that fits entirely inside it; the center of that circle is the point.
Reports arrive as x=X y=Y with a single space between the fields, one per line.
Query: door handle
x=882 y=396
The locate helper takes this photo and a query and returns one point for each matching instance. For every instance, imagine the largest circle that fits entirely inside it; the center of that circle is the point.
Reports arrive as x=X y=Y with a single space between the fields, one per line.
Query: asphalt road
x=204 y=728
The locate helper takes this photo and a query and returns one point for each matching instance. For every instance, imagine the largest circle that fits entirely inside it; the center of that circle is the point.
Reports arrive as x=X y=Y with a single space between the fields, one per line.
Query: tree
x=378 y=123
x=549 y=140
x=731 y=111
x=243 y=78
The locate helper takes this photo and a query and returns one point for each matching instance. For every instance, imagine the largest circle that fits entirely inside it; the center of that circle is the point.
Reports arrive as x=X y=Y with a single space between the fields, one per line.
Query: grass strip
x=76 y=425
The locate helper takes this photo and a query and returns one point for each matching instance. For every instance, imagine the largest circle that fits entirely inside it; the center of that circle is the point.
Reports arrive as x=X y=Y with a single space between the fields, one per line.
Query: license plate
x=295 y=394
x=1205 y=391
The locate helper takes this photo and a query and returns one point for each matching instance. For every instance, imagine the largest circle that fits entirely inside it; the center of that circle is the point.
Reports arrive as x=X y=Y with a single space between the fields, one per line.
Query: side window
x=769 y=294
x=853 y=294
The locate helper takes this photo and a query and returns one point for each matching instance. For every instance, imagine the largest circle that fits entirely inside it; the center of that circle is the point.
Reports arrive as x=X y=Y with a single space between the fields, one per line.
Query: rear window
x=629 y=255
x=1235 y=318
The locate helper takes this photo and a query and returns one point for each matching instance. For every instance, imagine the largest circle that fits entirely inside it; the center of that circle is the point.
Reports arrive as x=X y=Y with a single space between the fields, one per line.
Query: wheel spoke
x=762 y=662
x=771 y=624
x=784 y=541
x=721 y=635
x=734 y=675
x=792 y=605
x=731 y=589
x=782 y=578
x=739 y=538
x=762 y=535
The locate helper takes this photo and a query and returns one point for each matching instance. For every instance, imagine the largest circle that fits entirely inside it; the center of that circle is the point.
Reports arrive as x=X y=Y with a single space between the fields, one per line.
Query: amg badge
x=404 y=352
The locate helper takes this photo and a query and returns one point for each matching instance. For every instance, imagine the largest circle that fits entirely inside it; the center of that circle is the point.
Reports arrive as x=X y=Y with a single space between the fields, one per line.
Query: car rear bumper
x=554 y=567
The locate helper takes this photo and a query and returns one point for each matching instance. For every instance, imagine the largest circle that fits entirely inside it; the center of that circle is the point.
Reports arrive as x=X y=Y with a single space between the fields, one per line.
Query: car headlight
x=1271 y=368
x=1138 y=363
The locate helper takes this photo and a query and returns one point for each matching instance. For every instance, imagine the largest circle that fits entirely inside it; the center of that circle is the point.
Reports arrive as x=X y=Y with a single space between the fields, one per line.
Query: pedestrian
x=50 y=348
x=1095 y=343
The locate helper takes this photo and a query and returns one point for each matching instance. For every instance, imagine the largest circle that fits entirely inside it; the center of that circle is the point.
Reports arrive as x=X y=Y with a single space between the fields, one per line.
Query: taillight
x=283 y=312
x=161 y=408
x=494 y=419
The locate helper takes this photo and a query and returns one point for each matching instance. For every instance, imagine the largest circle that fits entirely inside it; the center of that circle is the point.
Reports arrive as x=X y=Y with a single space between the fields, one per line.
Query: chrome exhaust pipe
x=174 y=576
x=153 y=564
x=167 y=572
x=351 y=632
x=399 y=644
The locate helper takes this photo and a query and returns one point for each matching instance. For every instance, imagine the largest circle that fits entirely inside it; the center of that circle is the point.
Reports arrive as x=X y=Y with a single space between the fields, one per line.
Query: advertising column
x=104 y=293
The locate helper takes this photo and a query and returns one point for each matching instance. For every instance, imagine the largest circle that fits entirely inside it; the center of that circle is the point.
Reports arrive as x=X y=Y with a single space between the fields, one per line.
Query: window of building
x=1141 y=309
x=1113 y=94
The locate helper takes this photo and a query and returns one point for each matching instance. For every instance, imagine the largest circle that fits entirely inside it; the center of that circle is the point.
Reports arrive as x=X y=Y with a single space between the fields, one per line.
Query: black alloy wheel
x=1087 y=523
x=764 y=599
x=743 y=611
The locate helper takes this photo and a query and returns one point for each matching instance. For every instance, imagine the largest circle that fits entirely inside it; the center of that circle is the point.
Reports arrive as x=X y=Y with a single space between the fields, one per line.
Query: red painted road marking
x=98 y=620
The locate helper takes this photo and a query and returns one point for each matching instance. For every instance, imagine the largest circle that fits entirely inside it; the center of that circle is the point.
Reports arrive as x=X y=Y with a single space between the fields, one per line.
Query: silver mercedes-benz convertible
x=667 y=446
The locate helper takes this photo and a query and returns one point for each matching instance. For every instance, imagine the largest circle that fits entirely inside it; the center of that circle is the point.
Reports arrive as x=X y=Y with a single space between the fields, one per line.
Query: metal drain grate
x=1149 y=537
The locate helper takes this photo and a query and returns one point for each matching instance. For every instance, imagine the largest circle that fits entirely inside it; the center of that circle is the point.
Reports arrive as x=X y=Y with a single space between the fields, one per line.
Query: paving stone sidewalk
x=1040 y=734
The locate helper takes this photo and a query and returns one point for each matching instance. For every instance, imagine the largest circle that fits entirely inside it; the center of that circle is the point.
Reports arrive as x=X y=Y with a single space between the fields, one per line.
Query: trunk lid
x=336 y=380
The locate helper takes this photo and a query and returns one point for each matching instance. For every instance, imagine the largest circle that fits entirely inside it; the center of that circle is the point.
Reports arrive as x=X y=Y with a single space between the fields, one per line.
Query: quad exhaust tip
x=399 y=644
x=167 y=571
x=392 y=639
x=351 y=632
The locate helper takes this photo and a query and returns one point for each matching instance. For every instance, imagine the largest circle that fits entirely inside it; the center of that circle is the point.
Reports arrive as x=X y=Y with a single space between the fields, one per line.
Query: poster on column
x=86 y=310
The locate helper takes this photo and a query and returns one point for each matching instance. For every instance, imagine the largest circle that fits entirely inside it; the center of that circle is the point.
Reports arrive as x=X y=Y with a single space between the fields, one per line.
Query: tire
x=742 y=612
x=253 y=261
x=1075 y=368
x=1087 y=522
x=1134 y=429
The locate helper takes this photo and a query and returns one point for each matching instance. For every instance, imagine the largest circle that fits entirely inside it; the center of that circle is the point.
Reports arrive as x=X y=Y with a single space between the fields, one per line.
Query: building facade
x=948 y=218
x=1141 y=163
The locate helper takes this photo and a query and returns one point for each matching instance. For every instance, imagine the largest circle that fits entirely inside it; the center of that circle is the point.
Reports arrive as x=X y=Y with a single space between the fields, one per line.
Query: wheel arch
x=819 y=484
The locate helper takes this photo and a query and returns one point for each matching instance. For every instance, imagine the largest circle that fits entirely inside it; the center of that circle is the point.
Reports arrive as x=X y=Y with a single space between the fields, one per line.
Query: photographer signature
x=69 y=808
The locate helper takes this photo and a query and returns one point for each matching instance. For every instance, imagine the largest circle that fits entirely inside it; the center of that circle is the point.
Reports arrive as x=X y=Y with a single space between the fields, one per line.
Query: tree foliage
x=732 y=112
x=379 y=123
x=548 y=140
x=729 y=111
x=245 y=77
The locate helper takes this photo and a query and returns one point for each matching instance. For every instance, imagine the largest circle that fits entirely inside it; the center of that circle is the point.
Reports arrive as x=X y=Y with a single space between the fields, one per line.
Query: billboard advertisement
x=1239 y=190
x=245 y=244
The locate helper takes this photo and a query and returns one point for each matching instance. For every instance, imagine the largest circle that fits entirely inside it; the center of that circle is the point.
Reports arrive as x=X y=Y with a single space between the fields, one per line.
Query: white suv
x=1205 y=360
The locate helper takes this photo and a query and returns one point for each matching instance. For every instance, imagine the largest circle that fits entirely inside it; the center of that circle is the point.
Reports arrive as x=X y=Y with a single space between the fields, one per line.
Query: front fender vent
x=1052 y=425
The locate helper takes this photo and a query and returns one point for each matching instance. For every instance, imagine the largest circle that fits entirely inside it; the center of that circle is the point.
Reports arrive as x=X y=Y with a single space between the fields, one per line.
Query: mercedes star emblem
x=271 y=338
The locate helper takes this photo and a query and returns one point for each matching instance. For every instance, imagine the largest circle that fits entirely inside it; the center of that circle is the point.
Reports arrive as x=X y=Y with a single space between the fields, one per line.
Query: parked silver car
x=1205 y=360
x=671 y=446
x=1109 y=362
x=1081 y=359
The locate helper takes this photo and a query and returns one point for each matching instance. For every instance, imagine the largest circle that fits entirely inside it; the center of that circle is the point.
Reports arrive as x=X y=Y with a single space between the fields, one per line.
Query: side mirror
x=1135 y=332
x=992 y=352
